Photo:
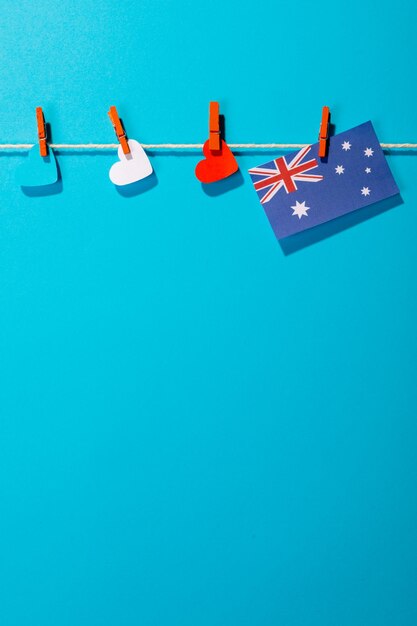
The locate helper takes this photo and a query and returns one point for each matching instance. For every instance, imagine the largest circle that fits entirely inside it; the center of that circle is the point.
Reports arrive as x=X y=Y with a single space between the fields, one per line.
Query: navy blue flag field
x=300 y=190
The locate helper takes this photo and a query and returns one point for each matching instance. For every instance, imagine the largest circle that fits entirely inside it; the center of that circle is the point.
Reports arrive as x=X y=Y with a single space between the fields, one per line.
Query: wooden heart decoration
x=217 y=164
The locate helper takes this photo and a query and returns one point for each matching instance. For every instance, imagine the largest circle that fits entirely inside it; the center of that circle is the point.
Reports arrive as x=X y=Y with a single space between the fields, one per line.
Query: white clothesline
x=186 y=146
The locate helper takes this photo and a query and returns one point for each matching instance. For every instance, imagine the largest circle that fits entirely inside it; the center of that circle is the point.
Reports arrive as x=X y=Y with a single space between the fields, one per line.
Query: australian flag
x=355 y=174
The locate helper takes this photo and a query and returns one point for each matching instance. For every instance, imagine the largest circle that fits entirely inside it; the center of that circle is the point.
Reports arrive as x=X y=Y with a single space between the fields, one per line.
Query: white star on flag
x=339 y=169
x=368 y=152
x=368 y=170
x=346 y=145
x=365 y=191
x=300 y=209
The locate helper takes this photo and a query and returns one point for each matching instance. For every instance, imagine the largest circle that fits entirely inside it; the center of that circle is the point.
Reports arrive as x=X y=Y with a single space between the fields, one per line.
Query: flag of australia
x=301 y=190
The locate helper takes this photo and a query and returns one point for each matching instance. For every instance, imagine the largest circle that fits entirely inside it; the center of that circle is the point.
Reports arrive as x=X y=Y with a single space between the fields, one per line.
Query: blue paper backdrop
x=197 y=427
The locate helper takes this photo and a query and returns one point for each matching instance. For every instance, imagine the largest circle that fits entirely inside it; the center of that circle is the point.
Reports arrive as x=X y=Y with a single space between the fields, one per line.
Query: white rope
x=186 y=146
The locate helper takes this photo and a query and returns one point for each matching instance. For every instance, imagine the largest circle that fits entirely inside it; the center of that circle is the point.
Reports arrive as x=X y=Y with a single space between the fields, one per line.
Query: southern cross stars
x=339 y=169
x=300 y=209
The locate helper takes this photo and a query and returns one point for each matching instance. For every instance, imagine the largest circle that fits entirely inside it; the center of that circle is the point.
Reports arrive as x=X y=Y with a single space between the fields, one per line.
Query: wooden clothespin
x=214 y=127
x=42 y=136
x=324 y=132
x=119 y=129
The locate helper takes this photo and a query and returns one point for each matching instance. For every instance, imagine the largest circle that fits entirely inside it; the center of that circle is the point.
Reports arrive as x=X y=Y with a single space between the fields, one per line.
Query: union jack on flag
x=283 y=174
x=354 y=174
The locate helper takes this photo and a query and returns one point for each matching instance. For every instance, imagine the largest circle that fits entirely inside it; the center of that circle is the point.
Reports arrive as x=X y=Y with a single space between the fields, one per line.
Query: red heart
x=217 y=164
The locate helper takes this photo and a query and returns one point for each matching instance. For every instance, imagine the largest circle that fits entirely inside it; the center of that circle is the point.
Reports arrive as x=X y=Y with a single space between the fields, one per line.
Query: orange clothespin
x=214 y=126
x=118 y=129
x=40 y=120
x=324 y=132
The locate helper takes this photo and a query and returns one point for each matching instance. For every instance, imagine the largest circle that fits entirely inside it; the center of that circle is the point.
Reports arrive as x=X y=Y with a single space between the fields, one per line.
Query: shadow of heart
x=43 y=190
x=139 y=187
x=223 y=186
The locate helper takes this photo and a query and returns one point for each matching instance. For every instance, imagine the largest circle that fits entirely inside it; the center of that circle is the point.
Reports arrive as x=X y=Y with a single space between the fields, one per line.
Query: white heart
x=131 y=167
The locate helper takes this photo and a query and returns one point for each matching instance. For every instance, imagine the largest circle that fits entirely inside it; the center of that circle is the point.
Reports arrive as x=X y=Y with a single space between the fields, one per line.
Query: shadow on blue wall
x=223 y=186
x=43 y=190
x=139 y=187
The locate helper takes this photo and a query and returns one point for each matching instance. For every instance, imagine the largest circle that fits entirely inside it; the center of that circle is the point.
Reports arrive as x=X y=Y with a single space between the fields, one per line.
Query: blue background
x=198 y=426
